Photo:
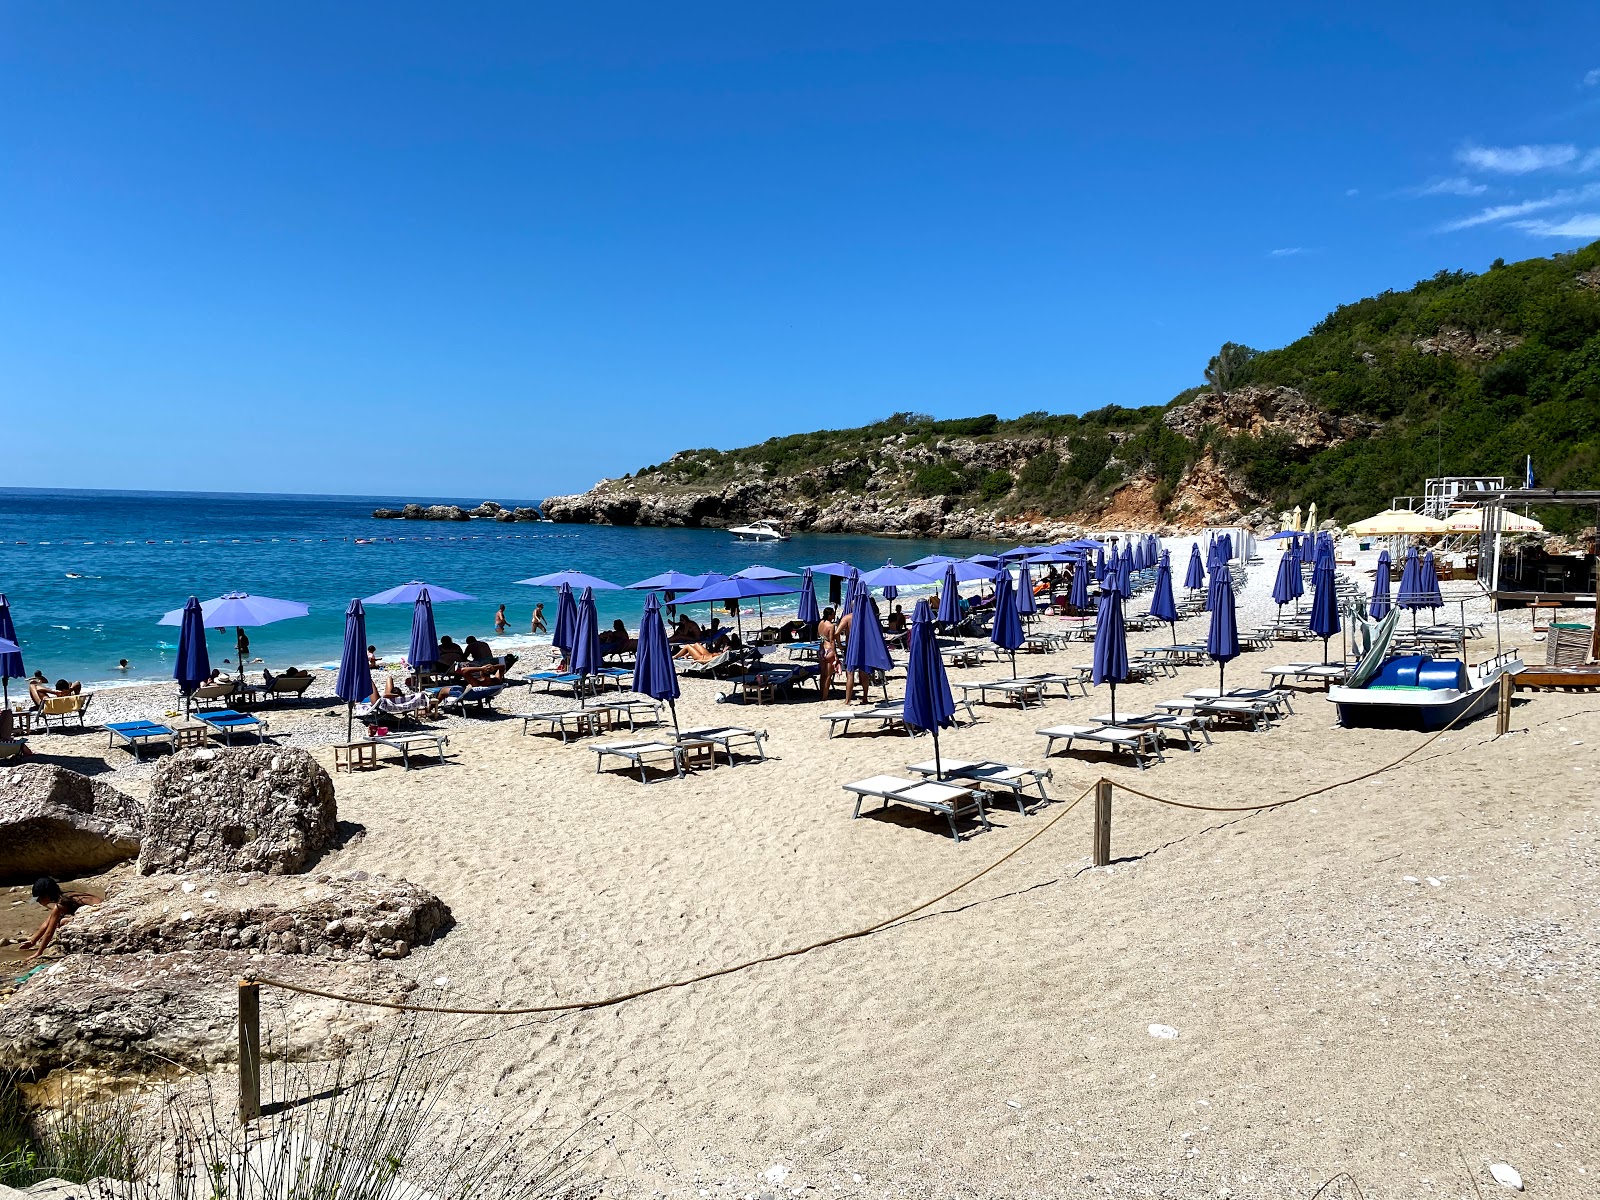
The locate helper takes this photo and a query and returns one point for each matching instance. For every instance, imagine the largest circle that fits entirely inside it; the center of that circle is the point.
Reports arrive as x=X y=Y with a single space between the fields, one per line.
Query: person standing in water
x=500 y=619
x=538 y=618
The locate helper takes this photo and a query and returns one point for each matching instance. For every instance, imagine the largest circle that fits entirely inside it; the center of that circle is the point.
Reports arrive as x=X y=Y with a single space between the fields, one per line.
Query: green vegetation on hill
x=1462 y=374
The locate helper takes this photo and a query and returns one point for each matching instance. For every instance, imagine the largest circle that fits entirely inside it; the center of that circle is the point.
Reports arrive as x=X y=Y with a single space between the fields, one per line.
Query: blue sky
x=429 y=249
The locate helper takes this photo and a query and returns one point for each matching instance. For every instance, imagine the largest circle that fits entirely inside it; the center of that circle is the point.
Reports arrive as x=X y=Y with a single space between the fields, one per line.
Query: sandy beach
x=1394 y=979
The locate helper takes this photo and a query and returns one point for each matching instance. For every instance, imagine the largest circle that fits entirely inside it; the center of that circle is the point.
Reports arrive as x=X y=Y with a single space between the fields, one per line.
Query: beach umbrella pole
x=1113 y=701
x=938 y=770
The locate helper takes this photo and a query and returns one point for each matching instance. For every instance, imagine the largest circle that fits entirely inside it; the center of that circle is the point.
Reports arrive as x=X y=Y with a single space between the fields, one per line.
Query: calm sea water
x=89 y=573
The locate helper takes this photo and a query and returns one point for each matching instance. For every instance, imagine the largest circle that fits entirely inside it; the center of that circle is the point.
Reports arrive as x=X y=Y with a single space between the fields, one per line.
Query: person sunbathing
x=391 y=698
x=450 y=654
x=478 y=651
x=63 y=906
x=696 y=652
x=40 y=693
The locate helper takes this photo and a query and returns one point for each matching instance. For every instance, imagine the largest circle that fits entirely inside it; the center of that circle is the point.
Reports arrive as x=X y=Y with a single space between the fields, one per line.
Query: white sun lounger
x=578 y=722
x=1324 y=673
x=1169 y=726
x=1276 y=699
x=1021 y=690
x=640 y=754
x=890 y=715
x=731 y=737
x=987 y=773
x=1139 y=743
x=1258 y=714
x=949 y=802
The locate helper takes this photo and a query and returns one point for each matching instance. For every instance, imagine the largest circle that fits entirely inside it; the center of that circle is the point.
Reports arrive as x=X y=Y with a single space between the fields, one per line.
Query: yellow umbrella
x=1470 y=520
x=1311 y=517
x=1296 y=525
x=1396 y=521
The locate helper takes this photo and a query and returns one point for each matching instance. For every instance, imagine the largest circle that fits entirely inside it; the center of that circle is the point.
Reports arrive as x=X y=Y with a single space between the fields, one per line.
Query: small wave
x=61 y=627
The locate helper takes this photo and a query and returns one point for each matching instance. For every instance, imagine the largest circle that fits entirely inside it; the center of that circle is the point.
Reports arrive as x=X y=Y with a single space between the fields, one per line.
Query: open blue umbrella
x=1381 y=606
x=566 y=621
x=1079 y=595
x=1222 y=639
x=1027 y=606
x=932 y=560
x=1110 y=664
x=407 y=593
x=354 y=681
x=1324 y=603
x=653 y=675
x=760 y=572
x=736 y=589
x=242 y=611
x=950 y=597
x=669 y=581
x=983 y=560
x=889 y=575
x=575 y=579
x=1006 y=630
x=809 y=613
x=194 y=664
x=841 y=570
x=10 y=660
x=1163 y=605
x=929 y=704
x=1195 y=578
x=968 y=571
x=424 y=649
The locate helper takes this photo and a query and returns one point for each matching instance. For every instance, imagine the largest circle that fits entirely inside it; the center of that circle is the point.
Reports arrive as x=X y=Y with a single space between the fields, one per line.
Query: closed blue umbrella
x=1027 y=606
x=1381 y=606
x=950 y=597
x=1195 y=578
x=1100 y=564
x=1163 y=605
x=10 y=660
x=566 y=621
x=1110 y=664
x=1079 y=595
x=424 y=651
x=1283 y=584
x=1222 y=639
x=586 y=657
x=1324 y=603
x=1127 y=570
x=809 y=613
x=354 y=682
x=653 y=675
x=1411 y=594
x=194 y=664
x=1430 y=582
x=865 y=650
x=929 y=704
x=1007 y=628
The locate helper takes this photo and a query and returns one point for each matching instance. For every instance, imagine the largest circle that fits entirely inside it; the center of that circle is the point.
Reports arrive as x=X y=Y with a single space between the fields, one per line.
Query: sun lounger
x=1276 y=699
x=689 y=666
x=728 y=737
x=641 y=755
x=1168 y=725
x=941 y=798
x=481 y=698
x=578 y=722
x=769 y=682
x=406 y=743
x=1140 y=744
x=218 y=695
x=227 y=722
x=634 y=710
x=1008 y=778
x=1323 y=673
x=9 y=750
x=1253 y=712
x=63 y=709
x=135 y=735
x=1021 y=690
x=888 y=715
x=1066 y=679
x=289 y=685
x=569 y=680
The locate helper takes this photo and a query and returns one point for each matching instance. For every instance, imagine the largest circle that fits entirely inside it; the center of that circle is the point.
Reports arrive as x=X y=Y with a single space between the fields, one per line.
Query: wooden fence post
x=1102 y=823
x=249 y=1051
x=1508 y=687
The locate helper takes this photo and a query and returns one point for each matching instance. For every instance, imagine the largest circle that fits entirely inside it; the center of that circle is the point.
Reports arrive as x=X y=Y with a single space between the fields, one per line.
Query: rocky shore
x=489 y=510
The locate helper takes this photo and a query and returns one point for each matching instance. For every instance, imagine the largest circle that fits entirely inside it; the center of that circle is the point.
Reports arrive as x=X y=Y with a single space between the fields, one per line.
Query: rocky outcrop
x=262 y=808
x=1258 y=412
x=1468 y=347
x=56 y=822
x=350 y=915
x=489 y=510
x=135 y=1011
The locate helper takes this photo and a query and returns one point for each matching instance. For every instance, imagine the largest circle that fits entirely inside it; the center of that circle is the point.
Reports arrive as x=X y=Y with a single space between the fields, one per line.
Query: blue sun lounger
x=135 y=734
x=227 y=722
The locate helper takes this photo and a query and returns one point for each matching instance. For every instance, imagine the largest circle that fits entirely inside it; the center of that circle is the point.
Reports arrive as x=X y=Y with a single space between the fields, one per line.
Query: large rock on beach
x=262 y=808
x=130 y=1011
x=56 y=822
x=350 y=915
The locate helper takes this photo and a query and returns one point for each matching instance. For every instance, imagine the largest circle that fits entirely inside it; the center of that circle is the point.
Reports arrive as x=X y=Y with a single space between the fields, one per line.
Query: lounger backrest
x=61 y=706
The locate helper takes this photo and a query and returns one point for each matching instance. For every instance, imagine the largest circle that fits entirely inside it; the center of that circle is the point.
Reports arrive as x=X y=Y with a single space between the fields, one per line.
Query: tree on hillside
x=1223 y=371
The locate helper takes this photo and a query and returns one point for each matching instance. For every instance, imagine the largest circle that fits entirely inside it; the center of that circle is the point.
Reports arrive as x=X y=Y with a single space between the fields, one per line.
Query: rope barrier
x=612 y=1001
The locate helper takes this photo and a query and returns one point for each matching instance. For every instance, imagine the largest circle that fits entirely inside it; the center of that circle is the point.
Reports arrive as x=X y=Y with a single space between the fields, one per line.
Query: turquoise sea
x=89 y=573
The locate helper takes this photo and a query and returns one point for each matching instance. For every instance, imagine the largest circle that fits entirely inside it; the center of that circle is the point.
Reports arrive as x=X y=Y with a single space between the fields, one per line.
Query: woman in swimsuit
x=63 y=906
x=828 y=653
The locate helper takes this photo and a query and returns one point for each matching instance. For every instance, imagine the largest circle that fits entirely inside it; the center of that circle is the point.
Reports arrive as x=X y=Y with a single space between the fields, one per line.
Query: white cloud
x=1286 y=251
x=1592 y=78
x=1580 y=225
x=1590 y=161
x=1457 y=186
x=1352 y=191
x=1504 y=212
x=1516 y=160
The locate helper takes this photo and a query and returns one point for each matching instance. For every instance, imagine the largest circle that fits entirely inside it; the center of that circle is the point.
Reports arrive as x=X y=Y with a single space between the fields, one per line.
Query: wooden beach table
x=940 y=798
x=350 y=757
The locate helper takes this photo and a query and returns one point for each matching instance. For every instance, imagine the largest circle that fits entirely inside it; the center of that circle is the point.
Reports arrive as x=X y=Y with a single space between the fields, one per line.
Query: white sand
x=1338 y=1009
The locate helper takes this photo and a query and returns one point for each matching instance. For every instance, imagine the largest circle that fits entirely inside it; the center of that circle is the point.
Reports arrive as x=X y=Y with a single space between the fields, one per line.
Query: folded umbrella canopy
x=1324 y=603
x=1006 y=631
x=1027 y=606
x=10 y=660
x=1222 y=639
x=1430 y=582
x=586 y=658
x=194 y=665
x=1381 y=606
x=1283 y=583
x=1100 y=564
x=407 y=593
x=1125 y=573
x=865 y=649
x=1110 y=664
x=566 y=621
x=1163 y=606
x=950 y=597
x=809 y=613
x=929 y=704
x=1412 y=594
x=354 y=682
x=424 y=649
x=1079 y=595
x=1195 y=578
x=653 y=675
x=242 y=611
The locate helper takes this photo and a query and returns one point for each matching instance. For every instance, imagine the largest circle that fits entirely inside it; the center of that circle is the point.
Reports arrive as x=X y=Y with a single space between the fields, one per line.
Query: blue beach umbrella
x=668 y=581
x=1079 y=595
x=1411 y=594
x=407 y=593
x=983 y=560
x=1324 y=603
x=950 y=597
x=1110 y=663
x=653 y=675
x=566 y=621
x=1027 y=606
x=760 y=572
x=354 y=682
x=1381 y=606
x=242 y=611
x=587 y=657
x=736 y=589
x=809 y=613
x=1430 y=582
x=1163 y=606
x=194 y=664
x=10 y=660
x=1222 y=639
x=1006 y=631
x=1100 y=564
x=929 y=704
x=575 y=579
x=891 y=576
x=1195 y=578
x=866 y=649
x=424 y=649
x=968 y=571
x=1127 y=569
x=1122 y=576
x=932 y=560
x=1283 y=584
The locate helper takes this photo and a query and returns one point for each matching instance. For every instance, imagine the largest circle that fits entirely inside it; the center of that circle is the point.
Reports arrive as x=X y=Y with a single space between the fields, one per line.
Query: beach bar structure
x=1513 y=579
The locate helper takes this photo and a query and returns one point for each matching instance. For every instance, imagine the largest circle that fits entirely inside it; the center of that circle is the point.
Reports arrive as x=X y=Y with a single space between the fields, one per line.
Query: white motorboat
x=759 y=531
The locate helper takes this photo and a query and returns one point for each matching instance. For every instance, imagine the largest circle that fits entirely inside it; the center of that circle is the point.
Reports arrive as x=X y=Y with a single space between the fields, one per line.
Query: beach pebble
x=1432 y=882
x=1506 y=1176
x=776 y=1173
x=188 y=887
x=1163 y=1031
x=1410 y=879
